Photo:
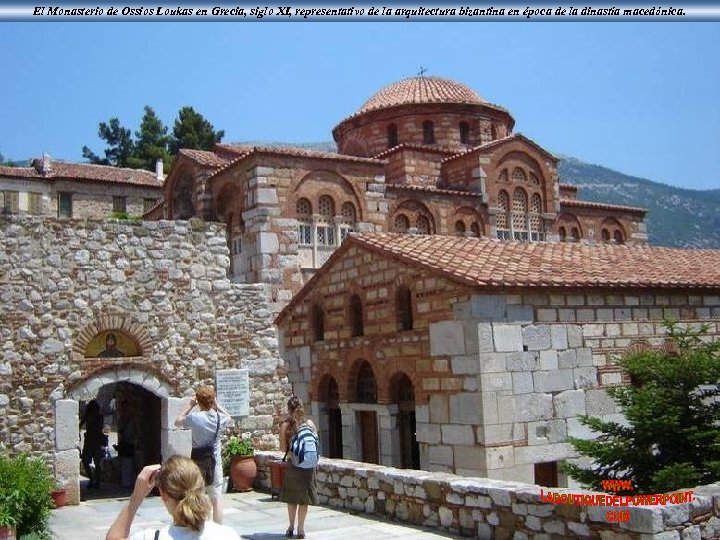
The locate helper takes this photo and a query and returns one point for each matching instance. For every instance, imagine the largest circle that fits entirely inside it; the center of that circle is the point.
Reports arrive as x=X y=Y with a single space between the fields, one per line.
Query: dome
x=417 y=90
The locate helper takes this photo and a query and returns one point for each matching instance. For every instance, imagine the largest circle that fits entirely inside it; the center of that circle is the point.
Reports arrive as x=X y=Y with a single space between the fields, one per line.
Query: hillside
x=676 y=217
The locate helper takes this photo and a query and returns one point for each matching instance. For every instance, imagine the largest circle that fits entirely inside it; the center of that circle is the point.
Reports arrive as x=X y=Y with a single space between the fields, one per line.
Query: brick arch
x=467 y=215
x=86 y=388
x=413 y=209
x=322 y=385
x=392 y=380
x=123 y=323
x=612 y=226
x=352 y=379
x=325 y=182
x=568 y=221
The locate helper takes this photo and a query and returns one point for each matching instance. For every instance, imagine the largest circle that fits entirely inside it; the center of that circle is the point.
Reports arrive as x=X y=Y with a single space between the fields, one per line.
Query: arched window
x=356 y=316
x=464 y=132
x=325 y=226
x=519 y=214
x=347 y=225
x=403 y=309
x=503 y=225
x=619 y=237
x=605 y=235
x=475 y=229
x=423 y=225
x=536 y=232
x=318 y=322
x=428 y=132
x=562 y=233
x=518 y=175
x=534 y=179
x=366 y=388
x=503 y=177
x=460 y=228
x=303 y=210
x=392 y=135
x=401 y=224
x=575 y=233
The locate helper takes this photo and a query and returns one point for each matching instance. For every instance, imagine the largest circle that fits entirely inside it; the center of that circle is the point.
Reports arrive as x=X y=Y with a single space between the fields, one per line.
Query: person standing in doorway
x=298 y=436
x=207 y=425
x=92 y=443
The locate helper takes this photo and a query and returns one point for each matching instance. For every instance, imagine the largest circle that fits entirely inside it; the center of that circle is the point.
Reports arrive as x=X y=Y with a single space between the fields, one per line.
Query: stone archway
x=67 y=433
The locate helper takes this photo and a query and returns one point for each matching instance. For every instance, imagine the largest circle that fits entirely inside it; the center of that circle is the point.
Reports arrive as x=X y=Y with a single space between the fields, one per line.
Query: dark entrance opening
x=131 y=421
x=403 y=395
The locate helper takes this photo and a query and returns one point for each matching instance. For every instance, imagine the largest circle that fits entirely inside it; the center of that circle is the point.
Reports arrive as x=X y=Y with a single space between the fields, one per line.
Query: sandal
x=289 y=533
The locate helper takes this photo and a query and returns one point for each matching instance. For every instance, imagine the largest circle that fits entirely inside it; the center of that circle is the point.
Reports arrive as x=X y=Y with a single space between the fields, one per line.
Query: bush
x=25 y=486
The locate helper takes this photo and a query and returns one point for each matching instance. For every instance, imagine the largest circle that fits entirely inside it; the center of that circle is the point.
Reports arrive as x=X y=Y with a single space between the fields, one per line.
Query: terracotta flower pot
x=59 y=497
x=243 y=471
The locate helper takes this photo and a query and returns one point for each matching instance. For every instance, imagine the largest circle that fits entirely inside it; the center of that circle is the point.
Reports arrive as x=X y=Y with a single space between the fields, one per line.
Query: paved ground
x=254 y=515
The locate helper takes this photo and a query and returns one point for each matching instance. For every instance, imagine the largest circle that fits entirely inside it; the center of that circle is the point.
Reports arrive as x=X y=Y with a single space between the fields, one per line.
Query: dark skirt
x=298 y=486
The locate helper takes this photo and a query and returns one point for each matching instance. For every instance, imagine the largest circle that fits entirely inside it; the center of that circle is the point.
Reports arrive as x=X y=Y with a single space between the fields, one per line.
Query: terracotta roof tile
x=288 y=152
x=429 y=189
x=602 y=206
x=483 y=262
x=432 y=149
x=203 y=157
x=86 y=171
x=498 y=142
x=421 y=90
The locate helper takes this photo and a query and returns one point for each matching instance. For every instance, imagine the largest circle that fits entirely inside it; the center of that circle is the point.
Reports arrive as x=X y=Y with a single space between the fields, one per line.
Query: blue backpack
x=305 y=447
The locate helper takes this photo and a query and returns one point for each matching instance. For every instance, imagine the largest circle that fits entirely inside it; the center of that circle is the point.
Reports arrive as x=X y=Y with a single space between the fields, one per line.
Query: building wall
x=92 y=200
x=62 y=282
x=499 y=377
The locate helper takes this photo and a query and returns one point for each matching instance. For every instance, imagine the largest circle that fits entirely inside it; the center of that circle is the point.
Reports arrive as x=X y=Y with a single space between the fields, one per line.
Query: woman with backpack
x=298 y=436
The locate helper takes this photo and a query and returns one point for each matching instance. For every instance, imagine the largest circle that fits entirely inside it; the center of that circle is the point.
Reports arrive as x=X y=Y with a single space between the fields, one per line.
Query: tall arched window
x=423 y=225
x=503 y=225
x=619 y=237
x=325 y=225
x=562 y=233
x=392 y=135
x=347 y=225
x=460 y=228
x=403 y=308
x=318 y=322
x=356 y=316
x=605 y=235
x=475 y=229
x=303 y=211
x=428 y=132
x=536 y=232
x=464 y=132
x=366 y=388
x=519 y=214
x=575 y=234
x=534 y=179
x=503 y=176
x=401 y=223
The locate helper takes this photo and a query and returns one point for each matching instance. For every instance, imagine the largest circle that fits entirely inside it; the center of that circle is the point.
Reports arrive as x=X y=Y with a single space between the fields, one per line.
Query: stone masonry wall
x=493 y=509
x=164 y=283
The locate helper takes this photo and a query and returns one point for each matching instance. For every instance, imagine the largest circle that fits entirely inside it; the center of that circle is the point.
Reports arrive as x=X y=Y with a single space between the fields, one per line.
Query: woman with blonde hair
x=298 y=436
x=206 y=426
x=182 y=489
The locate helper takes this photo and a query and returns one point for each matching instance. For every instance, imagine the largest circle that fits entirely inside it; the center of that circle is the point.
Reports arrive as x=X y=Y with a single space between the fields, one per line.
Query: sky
x=641 y=98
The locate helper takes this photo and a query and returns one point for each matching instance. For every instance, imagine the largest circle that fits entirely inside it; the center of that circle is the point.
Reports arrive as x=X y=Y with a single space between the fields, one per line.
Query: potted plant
x=10 y=506
x=240 y=453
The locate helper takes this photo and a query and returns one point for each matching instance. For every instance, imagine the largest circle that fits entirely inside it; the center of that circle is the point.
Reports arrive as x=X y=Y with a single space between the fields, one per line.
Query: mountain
x=676 y=217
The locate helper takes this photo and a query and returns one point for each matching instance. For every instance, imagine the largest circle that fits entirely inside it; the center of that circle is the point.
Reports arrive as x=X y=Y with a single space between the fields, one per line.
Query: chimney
x=45 y=164
x=159 y=173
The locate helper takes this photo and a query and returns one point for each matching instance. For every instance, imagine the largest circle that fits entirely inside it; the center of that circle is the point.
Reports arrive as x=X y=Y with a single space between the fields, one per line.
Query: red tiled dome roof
x=421 y=90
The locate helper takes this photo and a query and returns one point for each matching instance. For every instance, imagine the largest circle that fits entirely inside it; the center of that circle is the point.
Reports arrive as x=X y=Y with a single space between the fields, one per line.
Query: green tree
x=672 y=435
x=120 y=145
x=151 y=142
x=192 y=130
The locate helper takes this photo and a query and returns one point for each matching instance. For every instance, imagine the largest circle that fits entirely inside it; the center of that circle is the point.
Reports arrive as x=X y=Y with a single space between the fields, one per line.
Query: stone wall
x=493 y=509
x=62 y=282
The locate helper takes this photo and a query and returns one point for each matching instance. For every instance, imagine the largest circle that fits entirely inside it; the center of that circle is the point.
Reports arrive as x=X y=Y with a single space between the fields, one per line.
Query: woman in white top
x=207 y=424
x=182 y=489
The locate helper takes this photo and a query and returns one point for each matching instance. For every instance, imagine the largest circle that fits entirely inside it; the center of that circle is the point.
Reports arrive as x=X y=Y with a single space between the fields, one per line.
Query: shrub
x=25 y=486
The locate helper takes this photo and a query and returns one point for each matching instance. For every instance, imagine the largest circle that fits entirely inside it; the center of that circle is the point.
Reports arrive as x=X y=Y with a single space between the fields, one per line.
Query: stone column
x=67 y=455
x=173 y=440
x=351 y=443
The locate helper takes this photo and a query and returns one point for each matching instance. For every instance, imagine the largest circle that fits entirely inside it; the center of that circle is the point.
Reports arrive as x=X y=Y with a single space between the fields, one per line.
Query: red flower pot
x=243 y=471
x=59 y=497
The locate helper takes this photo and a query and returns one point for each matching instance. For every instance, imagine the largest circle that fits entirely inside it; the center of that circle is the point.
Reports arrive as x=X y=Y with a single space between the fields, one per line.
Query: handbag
x=204 y=457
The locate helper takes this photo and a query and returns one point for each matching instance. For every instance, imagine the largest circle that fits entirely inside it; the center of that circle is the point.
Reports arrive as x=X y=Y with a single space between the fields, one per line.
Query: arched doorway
x=403 y=395
x=330 y=395
x=366 y=392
